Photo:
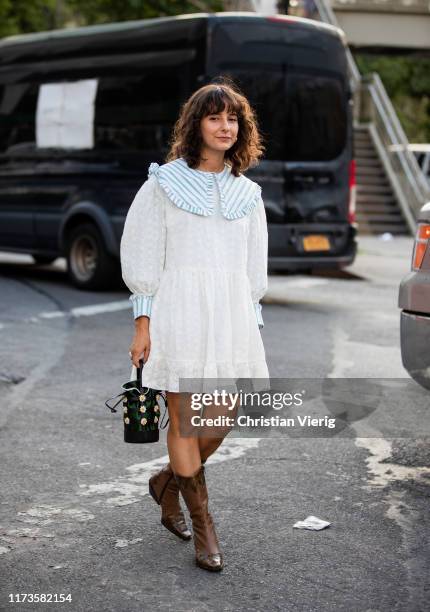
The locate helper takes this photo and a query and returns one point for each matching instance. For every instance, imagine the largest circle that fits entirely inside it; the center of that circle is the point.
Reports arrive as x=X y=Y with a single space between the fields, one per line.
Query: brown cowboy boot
x=194 y=492
x=165 y=491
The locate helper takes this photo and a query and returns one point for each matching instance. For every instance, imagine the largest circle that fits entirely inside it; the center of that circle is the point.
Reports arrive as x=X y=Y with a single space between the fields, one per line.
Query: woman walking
x=194 y=256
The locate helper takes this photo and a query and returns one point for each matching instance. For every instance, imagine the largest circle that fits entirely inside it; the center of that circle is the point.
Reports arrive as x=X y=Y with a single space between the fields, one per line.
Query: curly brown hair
x=186 y=140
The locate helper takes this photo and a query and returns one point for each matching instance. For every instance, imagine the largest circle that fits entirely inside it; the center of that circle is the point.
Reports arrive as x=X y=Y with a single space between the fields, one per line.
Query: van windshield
x=296 y=83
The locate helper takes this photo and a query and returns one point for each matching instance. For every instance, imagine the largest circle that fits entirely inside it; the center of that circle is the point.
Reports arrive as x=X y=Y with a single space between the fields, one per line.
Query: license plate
x=316 y=243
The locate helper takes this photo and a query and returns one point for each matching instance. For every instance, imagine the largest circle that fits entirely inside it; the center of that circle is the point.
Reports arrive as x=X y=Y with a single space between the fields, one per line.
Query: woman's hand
x=141 y=343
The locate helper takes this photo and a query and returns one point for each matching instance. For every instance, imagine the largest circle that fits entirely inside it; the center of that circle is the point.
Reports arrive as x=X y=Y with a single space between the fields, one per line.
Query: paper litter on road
x=386 y=236
x=312 y=522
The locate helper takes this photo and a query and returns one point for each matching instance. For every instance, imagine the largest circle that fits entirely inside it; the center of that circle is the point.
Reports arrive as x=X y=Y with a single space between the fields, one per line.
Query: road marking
x=380 y=450
x=89 y=311
x=123 y=543
x=363 y=360
x=45 y=514
x=130 y=488
x=79 y=311
x=278 y=291
x=360 y=359
x=50 y=315
x=298 y=283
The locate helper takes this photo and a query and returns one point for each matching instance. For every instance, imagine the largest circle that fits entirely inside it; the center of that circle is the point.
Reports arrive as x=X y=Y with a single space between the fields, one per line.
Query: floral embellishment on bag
x=141 y=419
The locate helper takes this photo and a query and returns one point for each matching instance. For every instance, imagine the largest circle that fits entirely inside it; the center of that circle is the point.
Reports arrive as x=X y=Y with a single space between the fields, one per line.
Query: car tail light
x=421 y=240
x=352 y=192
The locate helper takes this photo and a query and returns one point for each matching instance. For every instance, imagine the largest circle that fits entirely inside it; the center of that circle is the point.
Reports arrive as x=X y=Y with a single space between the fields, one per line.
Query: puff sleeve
x=257 y=254
x=143 y=246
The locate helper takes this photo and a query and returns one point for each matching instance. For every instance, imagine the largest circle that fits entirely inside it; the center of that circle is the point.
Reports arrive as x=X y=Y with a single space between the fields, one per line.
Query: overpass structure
x=389 y=24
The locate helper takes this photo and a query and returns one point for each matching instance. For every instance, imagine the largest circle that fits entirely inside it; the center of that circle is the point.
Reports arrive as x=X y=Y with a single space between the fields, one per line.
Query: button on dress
x=200 y=278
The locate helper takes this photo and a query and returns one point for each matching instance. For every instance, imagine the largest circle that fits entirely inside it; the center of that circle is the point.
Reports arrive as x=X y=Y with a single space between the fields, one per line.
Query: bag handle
x=120 y=395
x=139 y=371
x=113 y=408
x=163 y=422
x=140 y=389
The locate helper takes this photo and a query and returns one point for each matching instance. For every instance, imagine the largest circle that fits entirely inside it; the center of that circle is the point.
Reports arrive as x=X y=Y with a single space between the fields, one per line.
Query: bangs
x=213 y=99
x=217 y=100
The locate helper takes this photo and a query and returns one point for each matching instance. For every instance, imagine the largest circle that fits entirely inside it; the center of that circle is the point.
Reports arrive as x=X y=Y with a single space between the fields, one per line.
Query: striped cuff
x=258 y=314
x=142 y=305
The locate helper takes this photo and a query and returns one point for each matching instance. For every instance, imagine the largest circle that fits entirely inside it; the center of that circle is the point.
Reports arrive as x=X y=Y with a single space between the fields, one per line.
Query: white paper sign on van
x=65 y=114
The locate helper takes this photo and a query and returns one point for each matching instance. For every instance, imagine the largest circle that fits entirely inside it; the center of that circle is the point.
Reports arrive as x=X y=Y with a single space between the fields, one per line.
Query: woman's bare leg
x=208 y=445
x=184 y=452
x=187 y=453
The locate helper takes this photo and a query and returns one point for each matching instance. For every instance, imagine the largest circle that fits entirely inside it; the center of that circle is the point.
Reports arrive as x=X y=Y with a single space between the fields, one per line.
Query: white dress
x=205 y=275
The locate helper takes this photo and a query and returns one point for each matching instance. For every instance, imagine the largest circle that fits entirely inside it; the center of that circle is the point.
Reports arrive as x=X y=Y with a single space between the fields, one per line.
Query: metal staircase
x=391 y=189
x=377 y=211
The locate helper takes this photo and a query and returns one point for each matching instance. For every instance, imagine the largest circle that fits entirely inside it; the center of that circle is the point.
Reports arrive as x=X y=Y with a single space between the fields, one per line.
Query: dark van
x=84 y=112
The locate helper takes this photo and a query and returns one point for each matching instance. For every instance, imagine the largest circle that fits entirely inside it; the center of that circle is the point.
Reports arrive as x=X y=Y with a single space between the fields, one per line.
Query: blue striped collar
x=193 y=190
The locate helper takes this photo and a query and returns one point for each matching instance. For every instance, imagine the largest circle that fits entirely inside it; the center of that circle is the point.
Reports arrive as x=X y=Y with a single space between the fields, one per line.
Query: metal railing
x=408 y=181
x=416 y=7
x=372 y=106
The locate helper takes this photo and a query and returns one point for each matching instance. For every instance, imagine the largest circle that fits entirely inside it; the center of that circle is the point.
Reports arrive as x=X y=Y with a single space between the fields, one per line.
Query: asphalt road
x=75 y=516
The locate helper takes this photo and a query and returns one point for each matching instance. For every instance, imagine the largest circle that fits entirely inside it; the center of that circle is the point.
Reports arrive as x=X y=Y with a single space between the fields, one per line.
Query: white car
x=422 y=154
x=414 y=300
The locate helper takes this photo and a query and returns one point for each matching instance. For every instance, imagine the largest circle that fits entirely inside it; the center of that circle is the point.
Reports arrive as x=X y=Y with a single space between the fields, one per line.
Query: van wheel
x=43 y=259
x=89 y=265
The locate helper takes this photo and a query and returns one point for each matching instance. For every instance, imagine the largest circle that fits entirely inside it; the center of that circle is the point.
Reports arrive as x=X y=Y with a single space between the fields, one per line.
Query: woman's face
x=219 y=131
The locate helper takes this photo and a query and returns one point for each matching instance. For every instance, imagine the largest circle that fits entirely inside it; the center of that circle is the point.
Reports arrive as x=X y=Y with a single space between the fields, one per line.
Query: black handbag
x=141 y=410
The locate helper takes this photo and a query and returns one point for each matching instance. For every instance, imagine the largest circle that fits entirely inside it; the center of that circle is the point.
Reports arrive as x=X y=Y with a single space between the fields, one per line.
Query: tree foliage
x=105 y=11
x=23 y=16
x=407 y=81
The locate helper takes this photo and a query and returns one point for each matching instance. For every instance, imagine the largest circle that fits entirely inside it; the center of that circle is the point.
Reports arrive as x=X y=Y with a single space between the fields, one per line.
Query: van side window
x=17 y=114
x=136 y=112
